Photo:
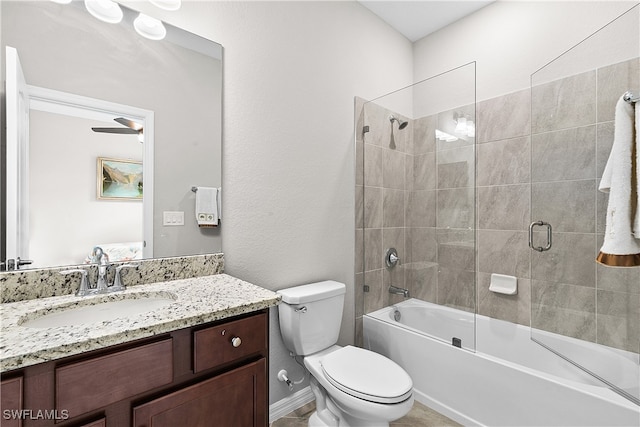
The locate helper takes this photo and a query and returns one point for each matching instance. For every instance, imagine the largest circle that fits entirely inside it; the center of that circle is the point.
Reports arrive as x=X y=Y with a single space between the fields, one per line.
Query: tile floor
x=419 y=416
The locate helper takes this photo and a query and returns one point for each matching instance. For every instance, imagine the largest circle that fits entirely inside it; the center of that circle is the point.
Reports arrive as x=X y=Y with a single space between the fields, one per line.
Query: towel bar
x=631 y=97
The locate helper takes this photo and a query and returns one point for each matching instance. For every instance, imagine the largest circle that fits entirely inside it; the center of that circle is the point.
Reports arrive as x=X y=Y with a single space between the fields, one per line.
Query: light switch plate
x=172 y=218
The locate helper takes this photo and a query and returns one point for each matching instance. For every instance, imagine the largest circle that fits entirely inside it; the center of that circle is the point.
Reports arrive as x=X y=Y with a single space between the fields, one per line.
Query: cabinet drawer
x=215 y=346
x=95 y=383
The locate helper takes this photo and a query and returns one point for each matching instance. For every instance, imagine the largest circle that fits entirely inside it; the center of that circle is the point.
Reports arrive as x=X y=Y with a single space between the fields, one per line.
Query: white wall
x=291 y=71
x=510 y=40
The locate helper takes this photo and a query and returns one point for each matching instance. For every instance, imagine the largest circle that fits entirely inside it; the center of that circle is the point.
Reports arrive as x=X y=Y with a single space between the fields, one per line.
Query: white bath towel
x=621 y=180
x=207 y=213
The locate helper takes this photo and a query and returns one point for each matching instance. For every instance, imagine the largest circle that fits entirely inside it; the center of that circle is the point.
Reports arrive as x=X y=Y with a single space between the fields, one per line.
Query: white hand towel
x=207 y=207
x=621 y=180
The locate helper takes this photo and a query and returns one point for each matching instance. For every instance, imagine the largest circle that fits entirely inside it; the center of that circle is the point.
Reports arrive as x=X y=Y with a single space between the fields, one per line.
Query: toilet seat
x=367 y=375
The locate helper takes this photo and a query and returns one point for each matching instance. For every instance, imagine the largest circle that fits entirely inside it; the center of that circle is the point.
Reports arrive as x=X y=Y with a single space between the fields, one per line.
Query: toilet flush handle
x=302 y=309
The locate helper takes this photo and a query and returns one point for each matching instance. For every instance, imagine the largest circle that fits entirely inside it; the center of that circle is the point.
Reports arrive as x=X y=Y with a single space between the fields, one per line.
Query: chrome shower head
x=401 y=124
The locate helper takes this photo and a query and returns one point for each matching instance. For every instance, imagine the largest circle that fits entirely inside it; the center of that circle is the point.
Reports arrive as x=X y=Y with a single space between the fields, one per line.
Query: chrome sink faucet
x=118 y=284
x=85 y=285
x=99 y=257
x=102 y=259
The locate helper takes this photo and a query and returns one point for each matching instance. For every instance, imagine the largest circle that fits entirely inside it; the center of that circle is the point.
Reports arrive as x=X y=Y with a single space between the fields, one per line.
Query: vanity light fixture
x=464 y=126
x=149 y=27
x=105 y=10
x=461 y=125
x=167 y=4
x=111 y=12
x=443 y=136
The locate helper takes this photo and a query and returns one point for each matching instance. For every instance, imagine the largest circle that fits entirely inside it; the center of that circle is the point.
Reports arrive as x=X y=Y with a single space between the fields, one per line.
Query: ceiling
x=417 y=19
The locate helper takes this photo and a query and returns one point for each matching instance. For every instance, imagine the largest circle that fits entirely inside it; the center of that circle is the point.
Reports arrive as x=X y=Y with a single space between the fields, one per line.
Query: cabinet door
x=11 y=402
x=99 y=423
x=234 y=399
x=85 y=386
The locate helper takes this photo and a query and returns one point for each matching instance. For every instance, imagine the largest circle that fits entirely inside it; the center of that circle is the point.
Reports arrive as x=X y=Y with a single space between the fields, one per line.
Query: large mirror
x=131 y=193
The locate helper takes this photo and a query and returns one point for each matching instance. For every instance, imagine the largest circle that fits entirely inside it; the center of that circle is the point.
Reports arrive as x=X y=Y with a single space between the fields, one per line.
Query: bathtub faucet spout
x=399 y=291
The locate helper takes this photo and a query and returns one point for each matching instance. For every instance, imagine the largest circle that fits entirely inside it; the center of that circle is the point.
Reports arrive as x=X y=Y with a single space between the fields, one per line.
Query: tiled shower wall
x=572 y=134
x=415 y=194
x=533 y=159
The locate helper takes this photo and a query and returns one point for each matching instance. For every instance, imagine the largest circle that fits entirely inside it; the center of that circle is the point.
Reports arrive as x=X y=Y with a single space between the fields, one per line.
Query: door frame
x=53 y=101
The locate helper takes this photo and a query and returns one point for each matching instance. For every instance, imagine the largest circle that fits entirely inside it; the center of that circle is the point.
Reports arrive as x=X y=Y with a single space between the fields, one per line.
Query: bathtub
x=508 y=380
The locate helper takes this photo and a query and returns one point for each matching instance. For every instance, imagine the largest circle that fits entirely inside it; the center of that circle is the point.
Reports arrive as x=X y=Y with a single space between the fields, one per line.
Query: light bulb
x=461 y=127
x=167 y=4
x=471 y=129
x=104 y=10
x=149 y=27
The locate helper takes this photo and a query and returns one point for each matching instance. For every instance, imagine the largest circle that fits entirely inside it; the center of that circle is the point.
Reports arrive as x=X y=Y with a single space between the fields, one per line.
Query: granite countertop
x=193 y=301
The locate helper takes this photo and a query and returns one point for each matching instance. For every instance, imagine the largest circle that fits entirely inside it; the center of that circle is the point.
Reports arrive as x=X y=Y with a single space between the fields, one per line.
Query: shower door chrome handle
x=549 y=233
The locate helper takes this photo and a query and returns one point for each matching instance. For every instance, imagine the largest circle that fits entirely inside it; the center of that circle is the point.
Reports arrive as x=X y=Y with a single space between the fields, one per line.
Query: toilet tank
x=310 y=316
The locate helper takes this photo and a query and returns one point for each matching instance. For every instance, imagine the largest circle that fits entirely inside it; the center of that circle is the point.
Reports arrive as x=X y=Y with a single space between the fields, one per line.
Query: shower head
x=401 y=124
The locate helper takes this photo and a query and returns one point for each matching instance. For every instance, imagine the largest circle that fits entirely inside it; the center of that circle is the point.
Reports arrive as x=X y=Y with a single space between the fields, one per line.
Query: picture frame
x=119 y=179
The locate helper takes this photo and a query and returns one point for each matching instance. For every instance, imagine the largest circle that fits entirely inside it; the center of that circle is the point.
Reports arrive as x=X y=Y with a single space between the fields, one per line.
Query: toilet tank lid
x=312 y=292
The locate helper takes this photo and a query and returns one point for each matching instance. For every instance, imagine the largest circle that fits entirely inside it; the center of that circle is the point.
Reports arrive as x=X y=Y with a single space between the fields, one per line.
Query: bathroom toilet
x=352 y=386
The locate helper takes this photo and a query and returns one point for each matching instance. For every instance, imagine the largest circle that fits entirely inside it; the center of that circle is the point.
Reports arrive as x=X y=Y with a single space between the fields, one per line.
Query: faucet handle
x=85 y=286
x=391 y=258
x=117 y=281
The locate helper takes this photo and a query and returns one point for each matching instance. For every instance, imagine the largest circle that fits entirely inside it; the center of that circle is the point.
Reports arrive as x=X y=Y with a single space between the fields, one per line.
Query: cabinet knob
x=236 y=341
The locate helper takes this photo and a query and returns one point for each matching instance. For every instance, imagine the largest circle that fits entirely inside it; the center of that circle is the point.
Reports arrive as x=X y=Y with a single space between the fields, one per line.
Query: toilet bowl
x=369 y=389
x=353 y=387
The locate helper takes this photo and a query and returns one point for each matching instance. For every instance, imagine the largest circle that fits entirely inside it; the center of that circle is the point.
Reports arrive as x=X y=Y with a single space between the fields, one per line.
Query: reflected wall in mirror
x=178 y=80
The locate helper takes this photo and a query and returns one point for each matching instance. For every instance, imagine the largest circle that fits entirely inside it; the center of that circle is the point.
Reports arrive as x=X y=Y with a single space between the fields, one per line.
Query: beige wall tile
x=504 y=162
x=564 y=155
x=564 y=103
x=504 y=117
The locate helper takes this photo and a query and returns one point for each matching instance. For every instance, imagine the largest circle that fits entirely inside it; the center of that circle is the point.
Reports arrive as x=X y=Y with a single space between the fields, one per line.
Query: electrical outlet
x=172 y=218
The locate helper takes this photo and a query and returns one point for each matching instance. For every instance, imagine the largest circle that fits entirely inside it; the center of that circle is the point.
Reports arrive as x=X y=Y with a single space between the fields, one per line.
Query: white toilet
x=352 y=386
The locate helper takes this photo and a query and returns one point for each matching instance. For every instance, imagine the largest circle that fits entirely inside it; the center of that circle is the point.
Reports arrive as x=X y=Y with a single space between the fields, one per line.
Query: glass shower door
x=585 y=312
x=416 y=191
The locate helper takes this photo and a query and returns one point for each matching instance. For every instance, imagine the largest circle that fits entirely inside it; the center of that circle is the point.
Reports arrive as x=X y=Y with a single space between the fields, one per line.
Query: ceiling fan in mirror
x=132 y=128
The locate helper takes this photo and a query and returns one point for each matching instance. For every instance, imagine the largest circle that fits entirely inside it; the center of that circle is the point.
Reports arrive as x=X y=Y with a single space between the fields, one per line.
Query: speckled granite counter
x=48 y=282
x=198 y=300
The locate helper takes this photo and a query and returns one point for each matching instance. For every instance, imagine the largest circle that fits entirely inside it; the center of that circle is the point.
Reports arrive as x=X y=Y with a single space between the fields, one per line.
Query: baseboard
x=289 y=404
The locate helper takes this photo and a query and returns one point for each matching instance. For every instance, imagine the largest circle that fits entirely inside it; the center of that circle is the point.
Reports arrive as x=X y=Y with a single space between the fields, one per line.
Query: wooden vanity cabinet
x=199 y=376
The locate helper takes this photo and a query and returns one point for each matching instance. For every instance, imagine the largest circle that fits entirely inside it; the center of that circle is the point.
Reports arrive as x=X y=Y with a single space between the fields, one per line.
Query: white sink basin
x=97 y=310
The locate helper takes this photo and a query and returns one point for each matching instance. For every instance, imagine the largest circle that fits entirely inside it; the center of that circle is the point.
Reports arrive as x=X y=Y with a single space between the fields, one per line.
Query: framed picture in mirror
x=119 y=179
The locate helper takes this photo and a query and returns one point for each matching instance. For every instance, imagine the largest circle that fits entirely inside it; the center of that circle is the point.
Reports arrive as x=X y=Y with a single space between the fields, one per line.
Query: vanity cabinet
x=189 y=377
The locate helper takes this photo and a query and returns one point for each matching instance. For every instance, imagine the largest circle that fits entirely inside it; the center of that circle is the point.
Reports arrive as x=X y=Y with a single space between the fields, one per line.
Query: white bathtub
x=508 y=381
